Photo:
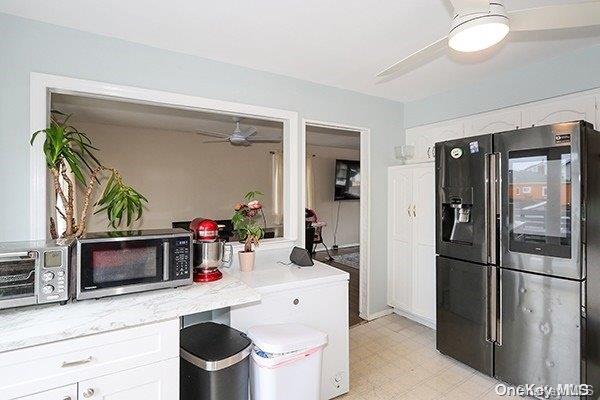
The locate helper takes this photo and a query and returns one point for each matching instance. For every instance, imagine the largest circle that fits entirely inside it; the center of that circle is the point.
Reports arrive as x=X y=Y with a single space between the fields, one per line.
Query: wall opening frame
x=43 y=85
x=365 y=202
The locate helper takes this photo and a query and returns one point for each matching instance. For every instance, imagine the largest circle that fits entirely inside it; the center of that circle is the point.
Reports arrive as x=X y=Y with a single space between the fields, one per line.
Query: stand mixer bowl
x=209 y=257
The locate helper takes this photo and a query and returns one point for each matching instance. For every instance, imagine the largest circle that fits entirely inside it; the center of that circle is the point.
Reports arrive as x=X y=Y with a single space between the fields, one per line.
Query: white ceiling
x=338 y=43
x=145 y=116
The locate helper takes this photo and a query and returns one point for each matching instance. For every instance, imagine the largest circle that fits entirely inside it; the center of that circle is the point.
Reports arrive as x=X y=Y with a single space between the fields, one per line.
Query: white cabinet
x=498 y=121
x=424 y=138
x=38 y=368
x=411 y=240
x=158 y=381
x=400 y=195
x=561 y=110
x=62 y=393
x=323 y=307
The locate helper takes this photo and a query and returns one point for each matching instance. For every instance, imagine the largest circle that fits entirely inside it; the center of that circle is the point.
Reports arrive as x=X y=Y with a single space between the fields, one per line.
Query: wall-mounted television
x=347 y=180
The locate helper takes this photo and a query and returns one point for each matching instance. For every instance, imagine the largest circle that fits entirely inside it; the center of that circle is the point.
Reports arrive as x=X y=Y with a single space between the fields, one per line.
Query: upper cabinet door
x=572 y=109
x=493 y=123
x=440 y=133
x=425 y=137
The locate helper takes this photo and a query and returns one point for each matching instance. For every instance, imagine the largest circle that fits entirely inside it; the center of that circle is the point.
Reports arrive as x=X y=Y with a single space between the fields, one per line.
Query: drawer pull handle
x=296 y=302
x=67 y=398
x=89 y=392
x=67 y=364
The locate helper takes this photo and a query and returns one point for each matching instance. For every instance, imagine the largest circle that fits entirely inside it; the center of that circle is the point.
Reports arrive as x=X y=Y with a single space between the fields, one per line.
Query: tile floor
x=394 y=358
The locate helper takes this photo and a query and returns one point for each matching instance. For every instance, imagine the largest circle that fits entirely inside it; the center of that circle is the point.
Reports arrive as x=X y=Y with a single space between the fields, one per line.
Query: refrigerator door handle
x=492 y=295
x=491 y=209
x=499 y=310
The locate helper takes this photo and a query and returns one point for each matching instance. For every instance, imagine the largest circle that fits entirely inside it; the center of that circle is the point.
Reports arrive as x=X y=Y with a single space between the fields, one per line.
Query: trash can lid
x=286 y=338
x=208 y=344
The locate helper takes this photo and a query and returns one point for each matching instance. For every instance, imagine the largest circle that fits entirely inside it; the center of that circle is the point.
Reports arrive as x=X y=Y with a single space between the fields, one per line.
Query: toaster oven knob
x=47 y=276
x=48 y=289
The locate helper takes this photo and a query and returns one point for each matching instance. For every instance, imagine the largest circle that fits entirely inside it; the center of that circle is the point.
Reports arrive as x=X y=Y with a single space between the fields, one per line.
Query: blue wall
x=569 y=73
x=28 y=46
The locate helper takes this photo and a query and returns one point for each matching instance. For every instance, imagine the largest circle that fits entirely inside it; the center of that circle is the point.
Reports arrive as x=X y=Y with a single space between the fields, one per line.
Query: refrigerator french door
x=541 y=276
x=462 y=245
x=541 y=223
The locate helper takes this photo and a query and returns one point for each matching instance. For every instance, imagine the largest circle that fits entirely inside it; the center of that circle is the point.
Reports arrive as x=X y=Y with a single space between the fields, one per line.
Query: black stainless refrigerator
x=518 y=254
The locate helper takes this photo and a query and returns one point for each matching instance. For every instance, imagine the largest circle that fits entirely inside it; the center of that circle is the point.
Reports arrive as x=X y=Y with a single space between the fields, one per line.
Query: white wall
x=182 y=176
x=324 y=178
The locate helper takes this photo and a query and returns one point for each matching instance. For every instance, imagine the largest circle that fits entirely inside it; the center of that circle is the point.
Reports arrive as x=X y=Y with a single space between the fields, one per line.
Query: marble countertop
x=24 y=327
x=30 y=326
x=271 y=274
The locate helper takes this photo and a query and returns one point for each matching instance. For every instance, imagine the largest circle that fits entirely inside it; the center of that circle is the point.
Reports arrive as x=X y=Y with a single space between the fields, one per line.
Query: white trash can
x=286 y=362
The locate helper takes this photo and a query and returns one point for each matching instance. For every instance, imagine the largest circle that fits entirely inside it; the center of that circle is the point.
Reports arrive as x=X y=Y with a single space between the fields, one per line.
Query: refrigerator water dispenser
x=457 y=221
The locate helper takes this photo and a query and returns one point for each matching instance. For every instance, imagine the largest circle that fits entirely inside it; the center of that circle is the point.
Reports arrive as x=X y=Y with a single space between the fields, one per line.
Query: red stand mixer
x=209 y=251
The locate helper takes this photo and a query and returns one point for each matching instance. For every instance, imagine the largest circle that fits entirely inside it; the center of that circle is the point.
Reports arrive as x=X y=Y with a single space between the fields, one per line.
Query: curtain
x=310 y=182
x=277 y=186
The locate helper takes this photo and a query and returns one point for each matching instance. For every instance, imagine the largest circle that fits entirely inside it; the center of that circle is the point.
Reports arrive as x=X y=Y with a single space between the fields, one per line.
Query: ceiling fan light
x=478 y=34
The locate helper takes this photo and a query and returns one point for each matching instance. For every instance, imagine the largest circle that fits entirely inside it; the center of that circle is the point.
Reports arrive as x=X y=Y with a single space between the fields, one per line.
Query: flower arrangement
x=245 y=220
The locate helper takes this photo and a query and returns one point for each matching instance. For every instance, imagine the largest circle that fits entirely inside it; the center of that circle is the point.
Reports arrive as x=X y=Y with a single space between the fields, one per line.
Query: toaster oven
x=34 y=272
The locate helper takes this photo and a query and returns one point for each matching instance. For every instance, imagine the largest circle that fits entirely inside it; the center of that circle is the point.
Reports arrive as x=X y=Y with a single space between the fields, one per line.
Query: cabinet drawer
x=60 y=363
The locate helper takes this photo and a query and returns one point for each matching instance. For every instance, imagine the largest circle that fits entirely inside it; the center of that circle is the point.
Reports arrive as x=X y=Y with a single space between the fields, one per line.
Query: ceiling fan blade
x=418 y=58
x=470 y=6
x=249 y=132
x=564 y=16
x=213 y=134
x=216 y=141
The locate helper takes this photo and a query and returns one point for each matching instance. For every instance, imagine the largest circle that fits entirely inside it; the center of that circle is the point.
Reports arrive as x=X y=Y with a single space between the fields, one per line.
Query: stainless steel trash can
x=214 y=363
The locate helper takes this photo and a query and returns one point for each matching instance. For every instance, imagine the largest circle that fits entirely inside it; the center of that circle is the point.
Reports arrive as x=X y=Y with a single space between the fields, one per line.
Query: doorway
x=336 y=198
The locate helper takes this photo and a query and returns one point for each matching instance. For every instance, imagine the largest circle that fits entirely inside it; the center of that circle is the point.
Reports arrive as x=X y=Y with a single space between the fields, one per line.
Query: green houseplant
x=248 y=228
x=69 y=151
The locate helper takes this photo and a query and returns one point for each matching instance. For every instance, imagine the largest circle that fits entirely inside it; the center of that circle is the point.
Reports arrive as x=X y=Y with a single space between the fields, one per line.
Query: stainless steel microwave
x=34 y=272
x=113 y=263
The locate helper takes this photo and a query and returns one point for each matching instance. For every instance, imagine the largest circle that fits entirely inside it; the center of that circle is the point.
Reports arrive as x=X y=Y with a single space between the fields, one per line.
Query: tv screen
x=347 y=180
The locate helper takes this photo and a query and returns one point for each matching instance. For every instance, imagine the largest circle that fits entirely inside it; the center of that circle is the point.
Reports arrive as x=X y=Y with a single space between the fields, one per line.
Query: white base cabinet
x=133 y=363
x=62 y=393
x=158 y=381
x=323 y=307
x=411 y=241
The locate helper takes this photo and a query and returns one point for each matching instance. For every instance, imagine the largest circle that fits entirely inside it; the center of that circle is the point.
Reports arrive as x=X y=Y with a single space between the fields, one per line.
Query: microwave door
x=540 y=200
x=110 y=267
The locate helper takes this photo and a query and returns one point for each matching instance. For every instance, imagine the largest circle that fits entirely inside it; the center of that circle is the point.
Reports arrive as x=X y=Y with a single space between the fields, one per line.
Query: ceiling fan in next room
x=479 y=24
x=238 y=137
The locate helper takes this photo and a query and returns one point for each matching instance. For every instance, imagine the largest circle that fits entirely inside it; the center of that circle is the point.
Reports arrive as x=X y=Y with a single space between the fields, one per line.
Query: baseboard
x=378 y=314
x=423 y=321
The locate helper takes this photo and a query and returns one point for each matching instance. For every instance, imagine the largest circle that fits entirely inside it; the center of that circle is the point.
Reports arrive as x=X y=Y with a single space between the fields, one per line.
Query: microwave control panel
x=182 y=247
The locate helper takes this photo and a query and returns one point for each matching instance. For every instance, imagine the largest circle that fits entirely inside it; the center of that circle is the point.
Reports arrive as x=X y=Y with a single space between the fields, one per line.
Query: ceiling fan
x=479 y=24
x=238 y=137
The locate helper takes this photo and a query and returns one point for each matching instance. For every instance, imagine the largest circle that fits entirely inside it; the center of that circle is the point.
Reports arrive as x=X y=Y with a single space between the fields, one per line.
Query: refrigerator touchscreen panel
x=539 y=193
